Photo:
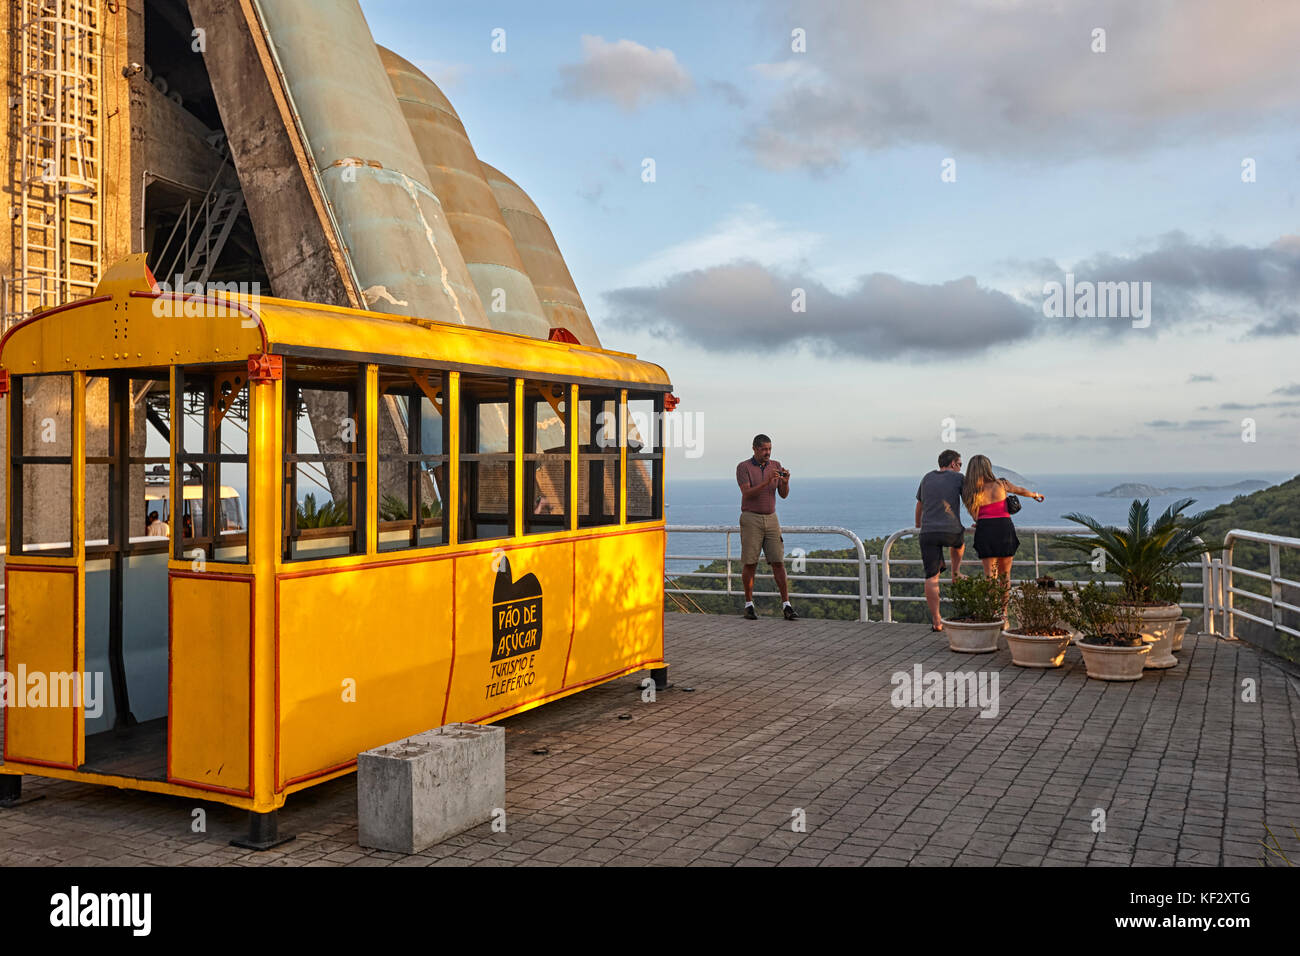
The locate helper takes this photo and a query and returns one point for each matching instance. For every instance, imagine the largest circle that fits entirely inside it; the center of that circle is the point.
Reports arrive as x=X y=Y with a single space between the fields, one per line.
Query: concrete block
x=419 y=791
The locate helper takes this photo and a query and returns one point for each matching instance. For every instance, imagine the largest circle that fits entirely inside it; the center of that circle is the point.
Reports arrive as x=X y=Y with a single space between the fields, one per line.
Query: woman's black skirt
x=995 y=538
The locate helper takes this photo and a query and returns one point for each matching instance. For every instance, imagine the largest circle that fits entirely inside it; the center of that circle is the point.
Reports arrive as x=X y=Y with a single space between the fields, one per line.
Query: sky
x=856 y=212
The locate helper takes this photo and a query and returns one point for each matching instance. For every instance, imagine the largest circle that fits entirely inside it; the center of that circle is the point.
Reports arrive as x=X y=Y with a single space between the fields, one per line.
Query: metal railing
x=866 y=579
x=1223 y=592
x=888 y=579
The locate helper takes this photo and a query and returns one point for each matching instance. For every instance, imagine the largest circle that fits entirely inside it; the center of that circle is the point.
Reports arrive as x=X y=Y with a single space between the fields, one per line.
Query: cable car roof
x=127 y=323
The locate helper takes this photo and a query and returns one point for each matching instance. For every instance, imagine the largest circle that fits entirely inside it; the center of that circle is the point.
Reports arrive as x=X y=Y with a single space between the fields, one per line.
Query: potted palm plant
x=1038 y=639
x=1146 y=556
x=1112 y=646
x=978 y=614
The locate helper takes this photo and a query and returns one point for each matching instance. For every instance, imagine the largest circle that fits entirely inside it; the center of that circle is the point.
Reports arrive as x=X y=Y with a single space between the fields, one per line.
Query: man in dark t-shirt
x=938 y=516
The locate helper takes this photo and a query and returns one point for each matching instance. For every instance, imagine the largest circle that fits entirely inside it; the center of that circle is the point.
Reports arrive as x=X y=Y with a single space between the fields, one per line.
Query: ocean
x=878 y=506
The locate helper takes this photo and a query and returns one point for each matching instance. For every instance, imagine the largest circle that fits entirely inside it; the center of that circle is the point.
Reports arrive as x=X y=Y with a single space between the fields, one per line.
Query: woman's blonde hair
x=979 y=472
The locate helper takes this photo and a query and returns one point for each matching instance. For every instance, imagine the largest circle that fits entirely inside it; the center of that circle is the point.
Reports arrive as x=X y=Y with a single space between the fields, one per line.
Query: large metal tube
x=509 y=300
x=541 y=258
x=389 y=218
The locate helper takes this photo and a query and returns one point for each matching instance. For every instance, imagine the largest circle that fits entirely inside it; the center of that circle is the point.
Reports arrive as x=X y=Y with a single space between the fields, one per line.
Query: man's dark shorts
x=932 y=545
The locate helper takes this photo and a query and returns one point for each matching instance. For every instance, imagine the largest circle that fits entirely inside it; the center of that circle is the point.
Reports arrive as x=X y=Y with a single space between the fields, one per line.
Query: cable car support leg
x=11 y=792
x=263 y=832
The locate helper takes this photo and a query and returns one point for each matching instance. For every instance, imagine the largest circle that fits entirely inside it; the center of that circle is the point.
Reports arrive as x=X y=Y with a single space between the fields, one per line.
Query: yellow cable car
x=443 y=524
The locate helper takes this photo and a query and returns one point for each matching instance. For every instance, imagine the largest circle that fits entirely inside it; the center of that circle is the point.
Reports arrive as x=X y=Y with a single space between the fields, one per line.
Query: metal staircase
x=202 y=230
x=56 y=216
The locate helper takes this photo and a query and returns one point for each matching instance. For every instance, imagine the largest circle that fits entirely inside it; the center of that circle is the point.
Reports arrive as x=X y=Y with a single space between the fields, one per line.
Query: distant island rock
x=1014 y=477
x=1139 y=490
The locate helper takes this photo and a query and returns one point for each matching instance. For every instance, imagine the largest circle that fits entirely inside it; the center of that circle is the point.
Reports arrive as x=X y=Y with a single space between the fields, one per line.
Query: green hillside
x=1273 y=510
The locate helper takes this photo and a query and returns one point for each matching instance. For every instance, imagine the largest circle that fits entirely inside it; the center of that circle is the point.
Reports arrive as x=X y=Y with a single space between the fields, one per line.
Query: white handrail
x=1226 y=592
x=888 y=579
x=867 y=588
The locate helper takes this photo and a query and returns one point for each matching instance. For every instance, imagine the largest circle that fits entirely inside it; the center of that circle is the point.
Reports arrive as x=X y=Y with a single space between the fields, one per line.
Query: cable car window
x=598 y=456
x=645 y=456
x=212 y=464
x=487 y=431
x=546 y=457
x=40 y=476
x=412 y=458
x=324 y=460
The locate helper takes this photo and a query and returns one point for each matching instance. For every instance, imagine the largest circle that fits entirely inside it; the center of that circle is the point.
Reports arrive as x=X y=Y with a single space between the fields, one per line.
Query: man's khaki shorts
x=760 y=533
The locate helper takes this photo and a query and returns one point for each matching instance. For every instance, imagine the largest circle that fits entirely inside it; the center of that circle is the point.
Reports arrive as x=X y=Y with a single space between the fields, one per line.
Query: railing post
x=1037 y=573
x=1208 y=594
x=1275 y=586
x=887 y=614
x=1229 y=624
x=862 y=584
x=875 y=579
x=729 y=563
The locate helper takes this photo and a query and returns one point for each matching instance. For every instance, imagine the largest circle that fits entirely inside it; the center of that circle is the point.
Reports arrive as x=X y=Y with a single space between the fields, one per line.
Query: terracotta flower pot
x=1180 y=628
x=1105 y=662
x=1037 y=650
x=972 y=637
x=1157 y=626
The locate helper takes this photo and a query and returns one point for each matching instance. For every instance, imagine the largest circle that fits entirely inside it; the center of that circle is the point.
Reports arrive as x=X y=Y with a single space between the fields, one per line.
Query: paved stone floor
x=795 y=718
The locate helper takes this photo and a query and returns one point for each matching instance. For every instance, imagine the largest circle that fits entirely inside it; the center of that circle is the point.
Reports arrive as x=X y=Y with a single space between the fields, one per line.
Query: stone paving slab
x=789 y=722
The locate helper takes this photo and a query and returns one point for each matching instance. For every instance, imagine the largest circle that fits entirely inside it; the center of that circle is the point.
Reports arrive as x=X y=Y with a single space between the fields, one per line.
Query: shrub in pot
x=978 y=614
x=1038 y=639
x=1112 y=644
x=1147 y=556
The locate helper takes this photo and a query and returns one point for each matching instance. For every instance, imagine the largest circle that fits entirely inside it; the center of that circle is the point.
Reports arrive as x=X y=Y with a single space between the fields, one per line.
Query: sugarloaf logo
x=516 y=630
x=516 y=614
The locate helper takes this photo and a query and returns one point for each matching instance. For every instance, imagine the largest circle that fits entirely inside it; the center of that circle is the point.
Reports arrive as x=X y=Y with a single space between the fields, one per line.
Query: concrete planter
x=972 y=637
x=1037 y=650
x=1158 y=631
x=1180 y=628
x=1059 y=596
x=1114 y=663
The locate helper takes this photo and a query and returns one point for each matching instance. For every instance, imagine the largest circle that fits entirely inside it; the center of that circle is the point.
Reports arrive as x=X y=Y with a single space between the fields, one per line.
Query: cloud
x=1200 y=377
x=1243 y=407
x=748 y=228
x=731 y=94
x=1019 y=78
x=1195 y=424
x=1283 y=325
x=747 y=307
x=893 y=439
x=446 y=76
x=625 y=72
x=1205 y=281
x=1287 y=390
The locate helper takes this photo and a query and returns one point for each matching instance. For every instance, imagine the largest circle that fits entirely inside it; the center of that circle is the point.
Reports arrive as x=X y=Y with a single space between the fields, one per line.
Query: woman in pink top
x=985 y=496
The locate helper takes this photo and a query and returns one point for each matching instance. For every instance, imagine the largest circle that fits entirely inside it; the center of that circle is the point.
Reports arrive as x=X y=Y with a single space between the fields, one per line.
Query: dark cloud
x=893 y=439
x=1287 y=390
x=1199 y=377
x=745 y=306
x=1198 y=281
x=1020 y=79
x=1195 y=424
x=1247 y=407
x=1283 y=325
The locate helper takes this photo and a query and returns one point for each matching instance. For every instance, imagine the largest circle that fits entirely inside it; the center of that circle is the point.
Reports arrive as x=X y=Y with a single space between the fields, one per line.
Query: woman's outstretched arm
x=1017 y=490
